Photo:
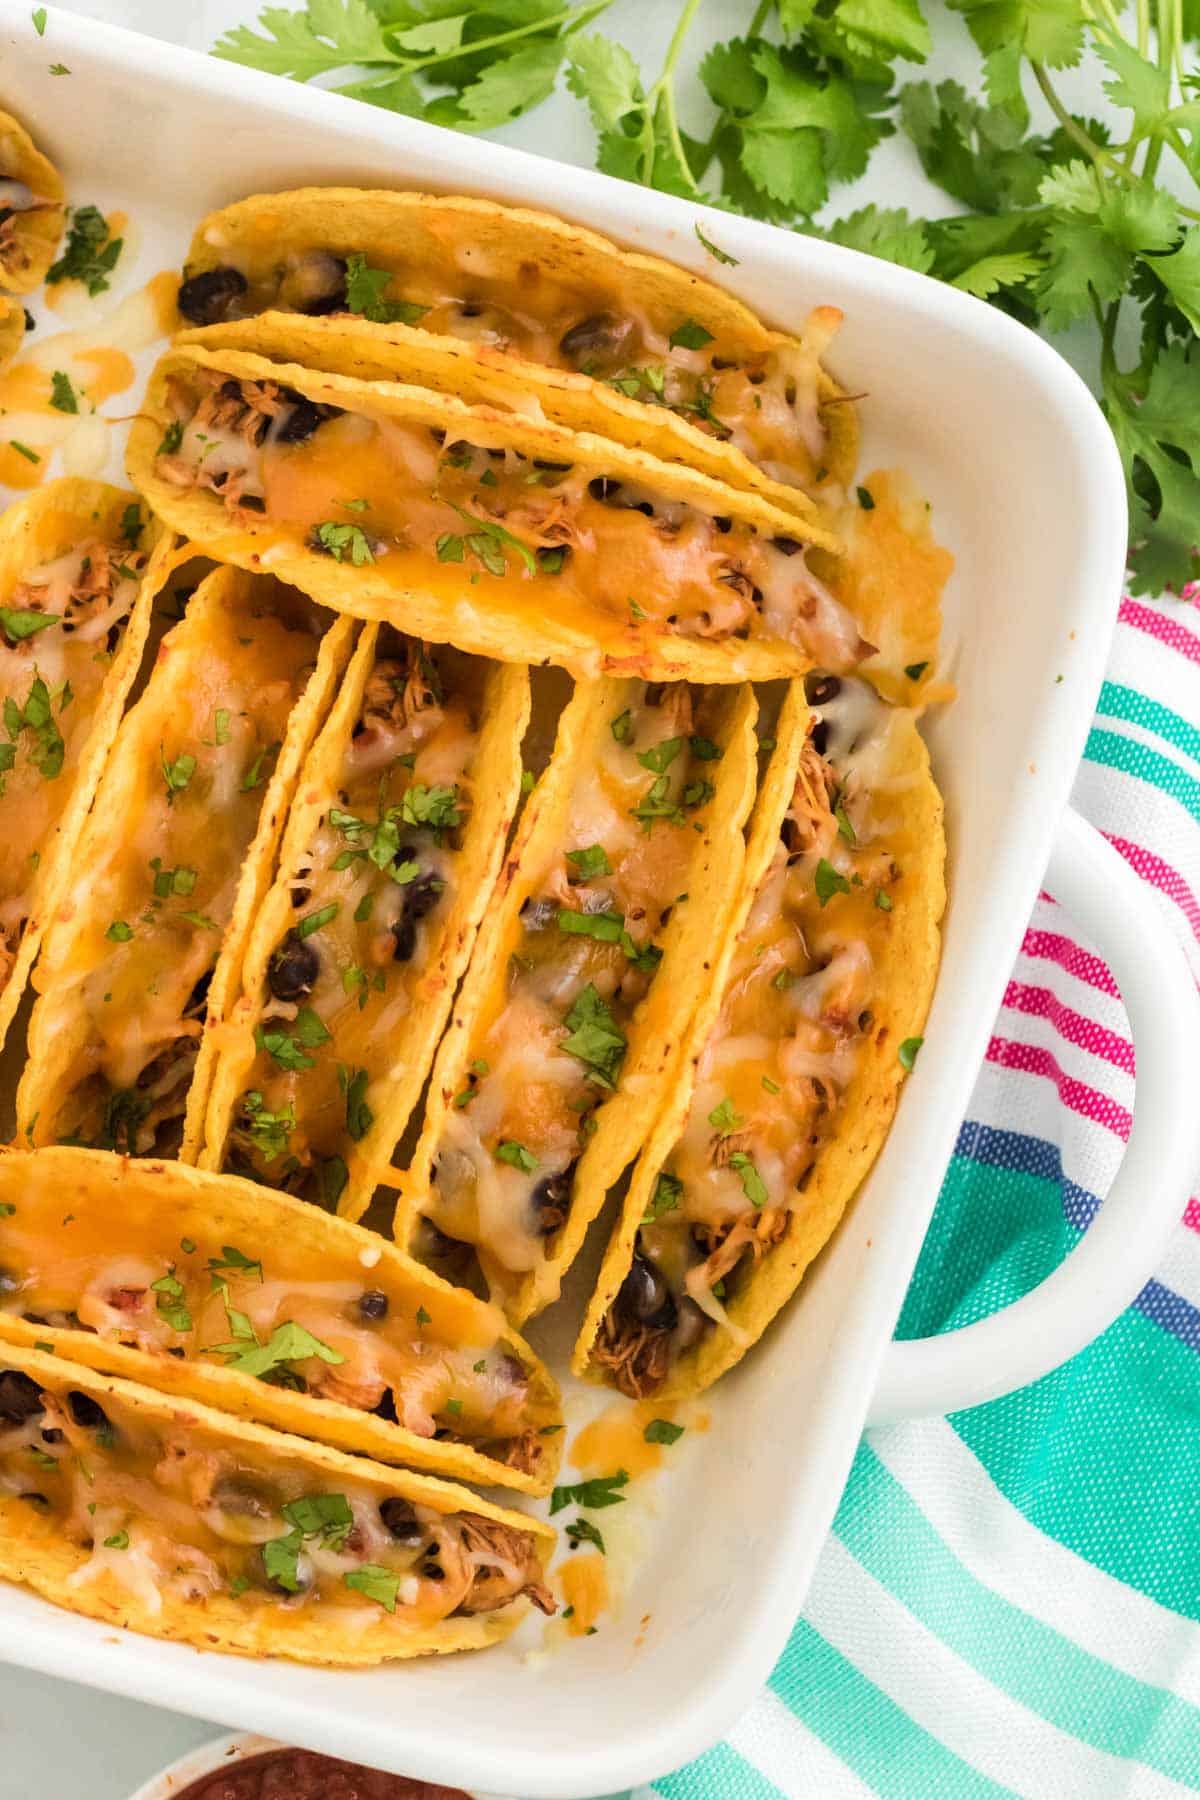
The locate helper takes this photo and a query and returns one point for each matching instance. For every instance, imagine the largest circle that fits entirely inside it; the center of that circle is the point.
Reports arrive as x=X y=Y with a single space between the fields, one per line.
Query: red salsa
x=302 y=1775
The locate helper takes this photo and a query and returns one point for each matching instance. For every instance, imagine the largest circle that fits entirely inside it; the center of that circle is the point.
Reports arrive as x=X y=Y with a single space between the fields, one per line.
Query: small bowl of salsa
x=258 y=1768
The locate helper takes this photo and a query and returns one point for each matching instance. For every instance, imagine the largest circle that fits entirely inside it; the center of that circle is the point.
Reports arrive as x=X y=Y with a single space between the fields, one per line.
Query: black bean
x=30 y=325
x=820 y=689
x=373 y=1304
x=422 y=895
x=252 y=503
x=242 y=1498
x=642 y=506
x=386 y=1409
x=723 y=524
x=404 y=931
x=299 y=424
x=400 y=1518
x=603 y=487
x=644 y=1297
x=206 y=298
x=788 y=546
x=550 y=1201
x=20 y=1398
x=601 y=334
x=85 y=1411
x=819 y=736
x=293 y=969
x=653 y=695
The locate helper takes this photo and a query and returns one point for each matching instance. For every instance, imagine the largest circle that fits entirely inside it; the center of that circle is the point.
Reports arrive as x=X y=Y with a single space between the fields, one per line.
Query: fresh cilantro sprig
x=476 y=65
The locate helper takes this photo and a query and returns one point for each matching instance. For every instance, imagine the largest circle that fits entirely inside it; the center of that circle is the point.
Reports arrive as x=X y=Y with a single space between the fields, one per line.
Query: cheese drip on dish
x=794 y=1022
x=160 y=1511
x=372 y=491
x=546 y=1050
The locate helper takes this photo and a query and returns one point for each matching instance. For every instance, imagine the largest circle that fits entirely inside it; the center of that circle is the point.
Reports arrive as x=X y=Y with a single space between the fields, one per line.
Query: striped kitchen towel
x=1008 y=1601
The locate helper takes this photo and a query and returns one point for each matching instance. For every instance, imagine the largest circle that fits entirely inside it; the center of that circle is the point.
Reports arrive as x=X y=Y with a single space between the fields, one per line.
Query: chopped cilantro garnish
x=908 y=1051
x=440 y=808
x=622 y=726
x=828 y=882
x=845 y=828
x=661 y=755
x=178 y=773
x=582 y=1531
x=118 y=1541
x=359 y=1117
x=663 y=1431
x=18 y=624
x=594 y=1494
x=221 y=725
x=489 y=541
x=63 y=398
x=722 y=256
x=690 y=336
x=171 y=1302
x=883 y=900
x=172 y=881
x=364 y=295
x=119 y=932
x=288 y=1049
x=668 y=1192
x=340 y=541
x=268 y=1131
x=327 y=1516
x=254 y=774
x=288 y=1343
x=423 y=1318
x=594 y=1038
x=590 y=862
x=376 y=1583
x=517 y=1156
x=723 y=1117
x=332 y=1177
x=171 y=439
x=769 y=1086
x=313 y=921
x=866 y=499
x=914 y=671
x=753 y=1185
x=47 y=748
x=704 y=750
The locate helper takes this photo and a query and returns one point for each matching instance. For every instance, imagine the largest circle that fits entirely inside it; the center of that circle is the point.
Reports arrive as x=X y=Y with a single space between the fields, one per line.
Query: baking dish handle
x=1118 y=1253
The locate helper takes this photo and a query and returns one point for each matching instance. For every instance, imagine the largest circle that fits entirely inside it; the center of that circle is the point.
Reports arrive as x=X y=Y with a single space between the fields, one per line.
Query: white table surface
x=60 y=1741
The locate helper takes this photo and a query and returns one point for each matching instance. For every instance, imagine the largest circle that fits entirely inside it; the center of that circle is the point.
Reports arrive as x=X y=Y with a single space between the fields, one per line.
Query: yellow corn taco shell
x=12 y=330
x=738 y=1064
x=391 y=852
x=510 y=537
x=143 y=957
x=83 y=552
x=566 y=1033
x=542 y=292
x=155 y=1262
x=485 y=376
x=33 y=188
x=214 y=1532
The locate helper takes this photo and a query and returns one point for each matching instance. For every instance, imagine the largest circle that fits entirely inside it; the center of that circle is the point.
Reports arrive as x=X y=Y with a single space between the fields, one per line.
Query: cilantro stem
x=662 y=95
x=1102 y=158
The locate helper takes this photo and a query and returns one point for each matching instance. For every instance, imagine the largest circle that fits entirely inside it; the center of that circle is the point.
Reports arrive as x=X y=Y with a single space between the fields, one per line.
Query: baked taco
x=79 y=567
x=208 y=1288
x=391 y=852
x=12 y=329
x=509 y=536
x=796 y=1054
x=482 y=376
x=31 y=209
x=515 y=287
x=593 y=957
x=143 y=955
x=179 y=1522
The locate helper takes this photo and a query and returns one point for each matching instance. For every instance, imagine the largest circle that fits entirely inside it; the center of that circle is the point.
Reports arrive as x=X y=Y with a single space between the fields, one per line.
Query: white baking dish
x=1027 y=491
